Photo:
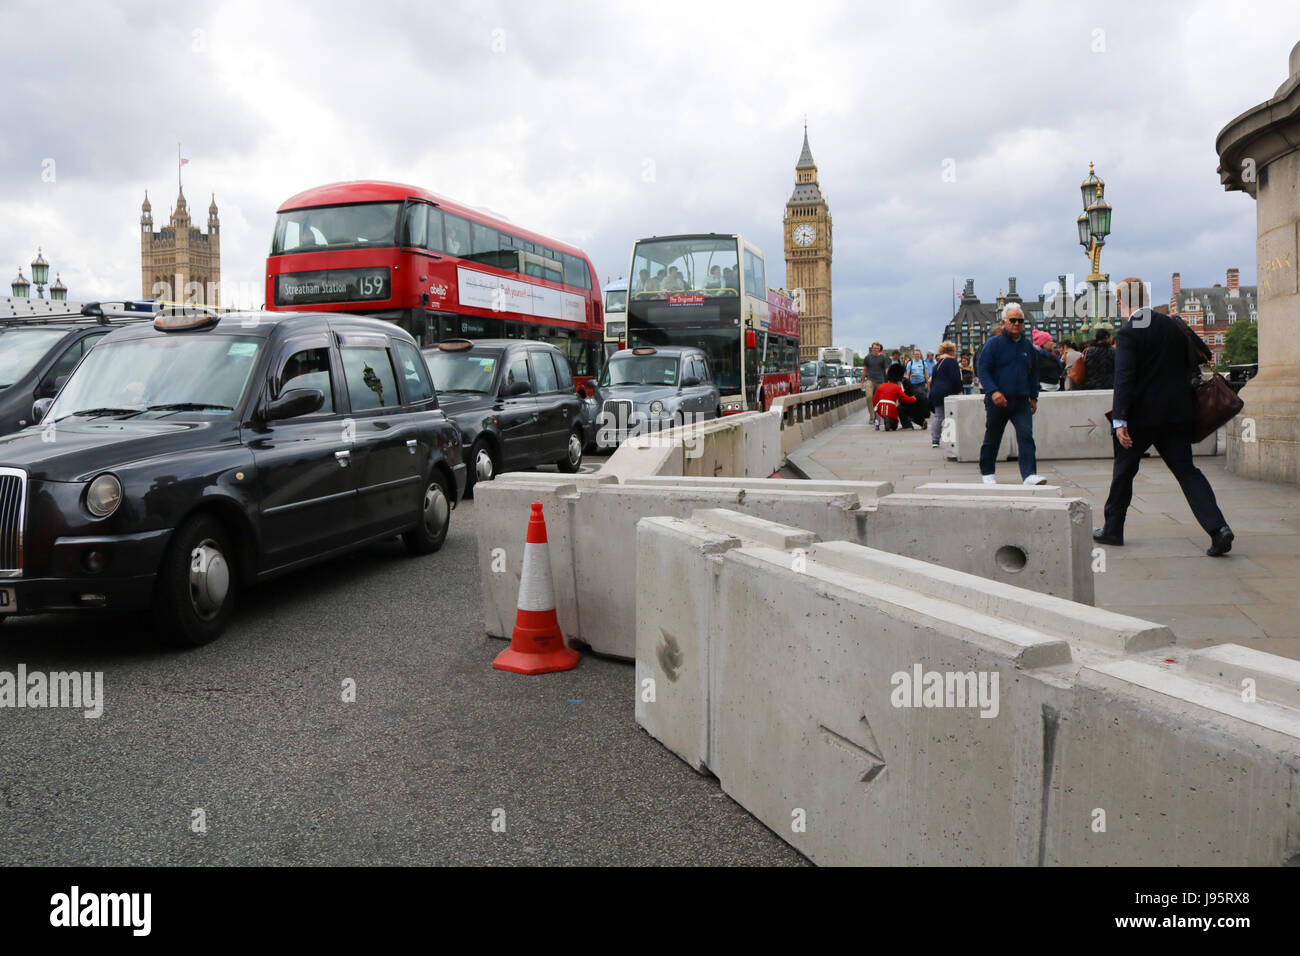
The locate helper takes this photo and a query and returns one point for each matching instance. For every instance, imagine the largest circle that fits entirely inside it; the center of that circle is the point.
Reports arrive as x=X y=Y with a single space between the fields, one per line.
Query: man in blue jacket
x=1008 y=373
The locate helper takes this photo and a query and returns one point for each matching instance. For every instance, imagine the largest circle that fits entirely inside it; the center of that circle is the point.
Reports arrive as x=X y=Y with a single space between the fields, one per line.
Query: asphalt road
x=253 y=731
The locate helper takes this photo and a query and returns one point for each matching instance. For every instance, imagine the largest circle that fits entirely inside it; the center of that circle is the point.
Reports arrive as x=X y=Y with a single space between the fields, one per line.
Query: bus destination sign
x=332 y=285
x=677 y=299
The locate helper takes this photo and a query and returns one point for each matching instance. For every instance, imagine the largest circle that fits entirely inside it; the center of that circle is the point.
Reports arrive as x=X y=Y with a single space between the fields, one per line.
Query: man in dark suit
x=1154 y=405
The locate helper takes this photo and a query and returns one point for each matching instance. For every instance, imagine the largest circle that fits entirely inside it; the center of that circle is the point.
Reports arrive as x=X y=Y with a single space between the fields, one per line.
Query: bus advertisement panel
x=709 y=291
x=437 y=268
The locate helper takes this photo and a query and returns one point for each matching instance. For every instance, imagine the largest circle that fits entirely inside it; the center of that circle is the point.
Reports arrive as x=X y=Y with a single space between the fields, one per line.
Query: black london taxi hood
x=79 y=450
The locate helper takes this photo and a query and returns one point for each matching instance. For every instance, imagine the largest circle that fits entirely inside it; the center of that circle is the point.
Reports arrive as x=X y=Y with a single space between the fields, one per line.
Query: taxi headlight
x=656 y=408
x=103 y=495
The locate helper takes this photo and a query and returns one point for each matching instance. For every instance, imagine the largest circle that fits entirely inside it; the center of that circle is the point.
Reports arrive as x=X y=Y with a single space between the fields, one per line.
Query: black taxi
x=515 y=403
x=199 y=453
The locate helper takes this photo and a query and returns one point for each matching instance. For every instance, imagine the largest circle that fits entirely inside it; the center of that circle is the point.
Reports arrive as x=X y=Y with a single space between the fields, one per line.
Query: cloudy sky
x=599 y=123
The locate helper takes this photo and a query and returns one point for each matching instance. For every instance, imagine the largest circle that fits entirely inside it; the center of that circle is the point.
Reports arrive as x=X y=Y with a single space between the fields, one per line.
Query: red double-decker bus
x=436 y=267
x=776 y=352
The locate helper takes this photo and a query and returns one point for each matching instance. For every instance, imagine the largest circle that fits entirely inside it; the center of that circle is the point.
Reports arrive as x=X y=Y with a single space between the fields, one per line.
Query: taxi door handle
x=343 y=458
x=410 y=446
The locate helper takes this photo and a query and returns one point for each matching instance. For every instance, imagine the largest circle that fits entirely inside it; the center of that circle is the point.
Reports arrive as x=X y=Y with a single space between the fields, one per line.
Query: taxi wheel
x=197 y=583
x=434 y=518
x=483 y=465
x=572 y=461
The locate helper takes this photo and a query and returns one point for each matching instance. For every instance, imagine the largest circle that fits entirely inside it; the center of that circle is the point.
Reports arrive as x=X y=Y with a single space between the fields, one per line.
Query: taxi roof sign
x=181 y=320
x=455 y=345
x=644 y=350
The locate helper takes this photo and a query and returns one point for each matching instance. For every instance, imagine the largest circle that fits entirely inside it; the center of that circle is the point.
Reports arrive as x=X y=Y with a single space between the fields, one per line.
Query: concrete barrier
x=1042 y=544
x=872 y=709
x=865 y=490
x=990 y=491
x=742 y=445
x=810 y=413
x=1067 y=425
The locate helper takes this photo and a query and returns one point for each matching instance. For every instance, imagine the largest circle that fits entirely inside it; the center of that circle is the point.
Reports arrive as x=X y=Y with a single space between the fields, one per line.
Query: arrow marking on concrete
x=870 y=753
x=1091 y=426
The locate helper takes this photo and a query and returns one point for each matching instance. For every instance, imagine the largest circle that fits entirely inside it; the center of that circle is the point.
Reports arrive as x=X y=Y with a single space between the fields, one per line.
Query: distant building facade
x=1209 y=311
x=808 y=255
x=1058 y=314
x=180 y=263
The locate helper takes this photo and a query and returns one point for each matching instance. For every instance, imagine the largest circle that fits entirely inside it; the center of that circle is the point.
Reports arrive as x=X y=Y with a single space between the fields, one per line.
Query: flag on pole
x=184 y=161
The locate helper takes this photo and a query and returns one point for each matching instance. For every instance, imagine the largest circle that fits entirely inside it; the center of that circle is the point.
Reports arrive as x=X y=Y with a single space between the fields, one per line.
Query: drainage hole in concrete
x=1011 y=558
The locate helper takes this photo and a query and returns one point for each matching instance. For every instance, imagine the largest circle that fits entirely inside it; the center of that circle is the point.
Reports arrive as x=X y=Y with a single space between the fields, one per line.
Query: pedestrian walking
x=1069 y=355
x=967 y=374
x=1155 y=404
x=1099 y=362
x=1008 y=373
x=918 y=374
x=874 y=367
x=945 y=380
x=1050 y=369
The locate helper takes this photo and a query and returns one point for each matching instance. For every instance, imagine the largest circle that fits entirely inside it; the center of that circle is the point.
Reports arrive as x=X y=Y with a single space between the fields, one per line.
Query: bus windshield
x=641 y=370
x=721 y=345
x=705 y=265
x=335 y=227
x=616 y=300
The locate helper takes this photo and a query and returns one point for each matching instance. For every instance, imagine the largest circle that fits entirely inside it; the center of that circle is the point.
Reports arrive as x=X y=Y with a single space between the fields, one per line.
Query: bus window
x=434 y=232
x=575 y=272
x=485 y=245
x=417 y=214
x=457 y=230
x=754 y=278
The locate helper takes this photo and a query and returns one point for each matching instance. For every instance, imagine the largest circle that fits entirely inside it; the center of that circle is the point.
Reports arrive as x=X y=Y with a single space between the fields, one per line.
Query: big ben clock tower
x=808 y=254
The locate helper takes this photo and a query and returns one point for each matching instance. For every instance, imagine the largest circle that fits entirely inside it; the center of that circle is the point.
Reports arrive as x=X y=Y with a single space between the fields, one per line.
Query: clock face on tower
x=804 y=235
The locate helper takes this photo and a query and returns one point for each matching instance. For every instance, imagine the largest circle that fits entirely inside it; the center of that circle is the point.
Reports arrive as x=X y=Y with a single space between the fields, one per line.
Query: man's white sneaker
x=990 y=480
x=1035 y=480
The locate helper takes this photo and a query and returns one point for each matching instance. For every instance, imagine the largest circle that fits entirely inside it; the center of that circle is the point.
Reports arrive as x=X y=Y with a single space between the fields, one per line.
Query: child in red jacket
x=887 y=396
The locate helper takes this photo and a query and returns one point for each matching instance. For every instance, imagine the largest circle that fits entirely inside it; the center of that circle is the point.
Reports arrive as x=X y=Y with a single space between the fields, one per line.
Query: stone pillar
x=1259 y=155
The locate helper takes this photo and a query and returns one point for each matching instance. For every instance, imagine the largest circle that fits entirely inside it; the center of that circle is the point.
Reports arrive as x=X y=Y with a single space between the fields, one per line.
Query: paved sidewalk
x=1251 y=596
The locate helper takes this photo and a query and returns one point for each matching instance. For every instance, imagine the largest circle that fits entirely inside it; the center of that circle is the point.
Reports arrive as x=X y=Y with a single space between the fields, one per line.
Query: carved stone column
x=1259 y=154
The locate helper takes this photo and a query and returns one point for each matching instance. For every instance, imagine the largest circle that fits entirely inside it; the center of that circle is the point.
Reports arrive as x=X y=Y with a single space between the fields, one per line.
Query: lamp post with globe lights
x=1094 y=227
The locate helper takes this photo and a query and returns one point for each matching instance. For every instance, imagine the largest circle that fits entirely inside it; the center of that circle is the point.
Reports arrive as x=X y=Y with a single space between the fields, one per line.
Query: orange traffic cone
x=536 y=644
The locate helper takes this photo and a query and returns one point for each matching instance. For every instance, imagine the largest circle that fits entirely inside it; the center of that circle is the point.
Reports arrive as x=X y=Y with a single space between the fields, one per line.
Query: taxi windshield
x=462 y=371
x=640 y=370
x=167 y=375
x=20 y=349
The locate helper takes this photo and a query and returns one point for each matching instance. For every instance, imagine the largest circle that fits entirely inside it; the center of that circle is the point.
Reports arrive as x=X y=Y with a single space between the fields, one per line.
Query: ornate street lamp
x=58 y=291
x=1094 y=227
x=20 y=285
x=40 y=273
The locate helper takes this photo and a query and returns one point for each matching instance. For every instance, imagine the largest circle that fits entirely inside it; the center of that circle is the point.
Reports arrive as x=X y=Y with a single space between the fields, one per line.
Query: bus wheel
x=572 y=460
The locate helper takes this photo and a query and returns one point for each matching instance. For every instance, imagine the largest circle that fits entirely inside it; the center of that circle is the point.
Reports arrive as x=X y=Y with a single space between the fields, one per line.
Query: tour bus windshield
x=703 y=265
x=364 y=225
x=20 y=349
x=641 y=370
x=187 y=373
x=462 y=371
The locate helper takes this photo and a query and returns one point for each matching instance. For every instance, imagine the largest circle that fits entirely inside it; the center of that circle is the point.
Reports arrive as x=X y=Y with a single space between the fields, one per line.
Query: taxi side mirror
x=516 y=388
x=39 y=408
x=295 y=402
x=690 y=381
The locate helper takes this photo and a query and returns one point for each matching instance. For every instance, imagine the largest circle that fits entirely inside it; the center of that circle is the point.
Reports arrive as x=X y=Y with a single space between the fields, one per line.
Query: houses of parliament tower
x=808 y=254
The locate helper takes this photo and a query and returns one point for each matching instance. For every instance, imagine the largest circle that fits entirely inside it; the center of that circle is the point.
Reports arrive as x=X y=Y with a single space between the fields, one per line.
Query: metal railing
x=808 y=405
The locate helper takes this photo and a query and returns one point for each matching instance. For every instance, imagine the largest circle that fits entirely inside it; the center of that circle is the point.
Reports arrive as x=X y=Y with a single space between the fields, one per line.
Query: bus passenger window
x=434 y=232
x=457 y=230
